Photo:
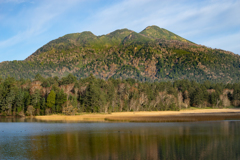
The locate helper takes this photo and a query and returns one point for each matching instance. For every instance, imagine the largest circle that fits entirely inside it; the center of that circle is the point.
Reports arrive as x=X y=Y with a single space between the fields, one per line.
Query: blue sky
x=26 y=25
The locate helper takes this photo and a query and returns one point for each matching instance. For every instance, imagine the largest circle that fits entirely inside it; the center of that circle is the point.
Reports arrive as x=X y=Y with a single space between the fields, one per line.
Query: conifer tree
x=36 y=98
x=51 y=99
x=61 y=98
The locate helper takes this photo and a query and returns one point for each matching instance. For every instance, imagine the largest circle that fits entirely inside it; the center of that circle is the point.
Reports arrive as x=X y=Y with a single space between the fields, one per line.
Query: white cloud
x=214 y=23
x=194 y=20
x=36 y=20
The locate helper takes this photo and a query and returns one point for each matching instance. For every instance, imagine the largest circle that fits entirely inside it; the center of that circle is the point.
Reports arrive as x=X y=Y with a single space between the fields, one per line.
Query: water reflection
x=201 y=140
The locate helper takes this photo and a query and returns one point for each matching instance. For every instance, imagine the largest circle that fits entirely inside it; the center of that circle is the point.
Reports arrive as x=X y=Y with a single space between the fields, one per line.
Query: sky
x=26 y=25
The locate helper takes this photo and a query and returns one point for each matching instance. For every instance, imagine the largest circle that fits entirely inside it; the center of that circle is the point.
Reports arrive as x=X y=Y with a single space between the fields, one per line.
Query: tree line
x=69 y=95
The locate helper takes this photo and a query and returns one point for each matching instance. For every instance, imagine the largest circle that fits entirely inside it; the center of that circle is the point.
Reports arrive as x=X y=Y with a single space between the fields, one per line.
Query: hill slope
x=155 y=54
x=161 y=33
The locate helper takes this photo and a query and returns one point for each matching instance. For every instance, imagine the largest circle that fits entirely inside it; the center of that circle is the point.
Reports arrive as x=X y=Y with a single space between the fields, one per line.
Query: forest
x=70 y=96
x=153 y=55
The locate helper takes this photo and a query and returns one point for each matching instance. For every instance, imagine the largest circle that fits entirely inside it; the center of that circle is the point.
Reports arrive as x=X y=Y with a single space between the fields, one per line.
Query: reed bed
x=151 y=116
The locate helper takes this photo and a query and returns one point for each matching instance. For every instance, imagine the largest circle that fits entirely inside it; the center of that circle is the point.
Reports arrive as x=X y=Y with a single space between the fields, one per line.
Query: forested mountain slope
x=155 y=54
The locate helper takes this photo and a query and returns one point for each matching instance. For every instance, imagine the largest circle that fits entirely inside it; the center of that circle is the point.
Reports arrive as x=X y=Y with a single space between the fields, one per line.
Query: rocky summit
x=154 y=54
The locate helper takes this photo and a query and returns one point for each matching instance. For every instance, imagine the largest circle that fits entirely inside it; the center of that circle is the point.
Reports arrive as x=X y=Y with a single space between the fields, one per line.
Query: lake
x=30 y=139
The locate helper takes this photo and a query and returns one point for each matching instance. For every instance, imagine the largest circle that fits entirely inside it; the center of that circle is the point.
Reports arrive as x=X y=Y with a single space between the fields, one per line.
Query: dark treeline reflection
x=212 y=140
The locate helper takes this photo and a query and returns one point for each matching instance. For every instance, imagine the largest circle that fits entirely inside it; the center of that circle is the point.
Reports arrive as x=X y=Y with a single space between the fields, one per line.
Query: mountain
x=154 y=54
x=161 y=33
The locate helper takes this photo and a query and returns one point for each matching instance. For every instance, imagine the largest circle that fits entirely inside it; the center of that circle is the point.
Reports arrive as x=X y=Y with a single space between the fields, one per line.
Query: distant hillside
x=154 y=54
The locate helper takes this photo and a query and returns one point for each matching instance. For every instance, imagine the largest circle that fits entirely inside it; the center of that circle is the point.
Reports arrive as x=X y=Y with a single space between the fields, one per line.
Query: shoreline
x=149 y=116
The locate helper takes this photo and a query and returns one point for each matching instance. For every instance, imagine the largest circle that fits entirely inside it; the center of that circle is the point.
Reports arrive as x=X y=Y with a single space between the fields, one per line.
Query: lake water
x=192 y=140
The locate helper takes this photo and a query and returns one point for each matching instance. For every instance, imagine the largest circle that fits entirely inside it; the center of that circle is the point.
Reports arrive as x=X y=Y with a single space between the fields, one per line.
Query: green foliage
x=123 y=70
x=61 y=98
x=36 y=99
x=94 y=98
x=38 y=77
x=43 y=103
x=68 y=80
x=51 y=99
x=96 y=95
x=161 y=33
x=154 y=54
x=181 y=52
x=236 y=93
x=19 y=100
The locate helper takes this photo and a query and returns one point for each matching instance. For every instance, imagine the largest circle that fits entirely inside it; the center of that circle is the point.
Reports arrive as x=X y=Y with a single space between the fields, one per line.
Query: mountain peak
x=152 y=27
x=119 y=33
x=155 y=54
x=161 y=33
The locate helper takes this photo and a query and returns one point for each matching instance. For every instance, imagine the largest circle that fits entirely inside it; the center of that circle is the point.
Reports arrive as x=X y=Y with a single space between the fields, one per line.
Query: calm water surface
x=195 y=140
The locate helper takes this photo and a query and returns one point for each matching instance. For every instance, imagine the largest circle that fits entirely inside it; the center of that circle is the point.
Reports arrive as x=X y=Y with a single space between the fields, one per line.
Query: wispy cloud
x=214 y=23
x=198 y=21
x=36 y=20
x=194 y=20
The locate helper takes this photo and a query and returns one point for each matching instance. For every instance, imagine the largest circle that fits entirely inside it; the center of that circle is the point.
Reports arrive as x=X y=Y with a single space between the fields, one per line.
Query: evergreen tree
x=97 y=95
x=38 y=77
x=197 y=97
x=10 y=97
x=19 y=100
x=35 y=100
x=27 y=99
x=43 y=103
x=236 y=93
x=94 y=98
x=61 y=98
x=51 y=99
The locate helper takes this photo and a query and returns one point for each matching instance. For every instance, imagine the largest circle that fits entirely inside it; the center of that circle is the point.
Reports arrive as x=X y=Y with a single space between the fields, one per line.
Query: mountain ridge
x=154 y=54
x=81 y=37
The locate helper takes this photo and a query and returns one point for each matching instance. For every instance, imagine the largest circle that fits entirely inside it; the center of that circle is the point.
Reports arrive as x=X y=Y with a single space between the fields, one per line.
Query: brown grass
x=151 y=116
